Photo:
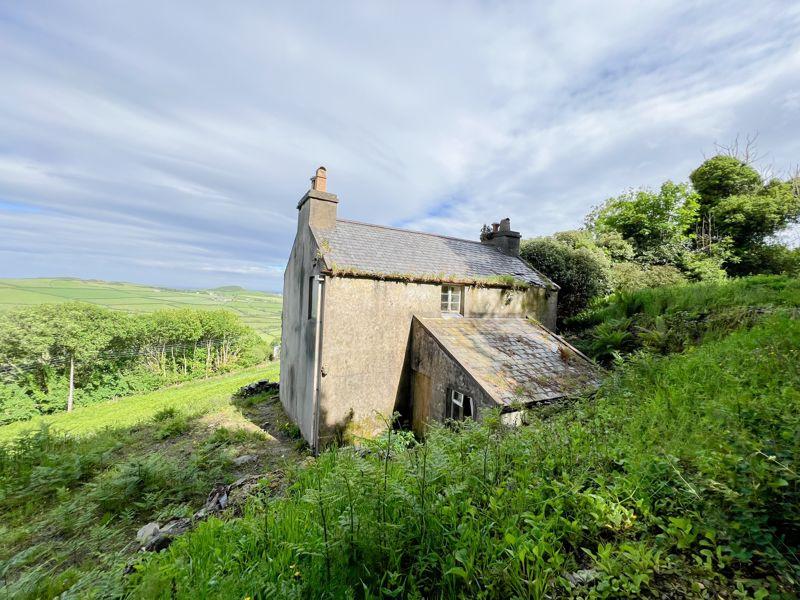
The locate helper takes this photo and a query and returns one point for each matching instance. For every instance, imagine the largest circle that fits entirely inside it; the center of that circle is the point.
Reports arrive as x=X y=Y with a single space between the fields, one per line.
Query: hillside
x=259 y=310
x=74 y=493
x=678 y=479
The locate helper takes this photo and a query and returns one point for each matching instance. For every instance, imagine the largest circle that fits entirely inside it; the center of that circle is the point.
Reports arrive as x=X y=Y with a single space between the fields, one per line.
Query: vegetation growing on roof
x=501 y=281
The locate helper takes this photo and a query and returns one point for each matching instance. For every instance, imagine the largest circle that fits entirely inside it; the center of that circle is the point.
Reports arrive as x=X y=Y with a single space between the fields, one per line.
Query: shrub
x=579 y=273
x=630 y=276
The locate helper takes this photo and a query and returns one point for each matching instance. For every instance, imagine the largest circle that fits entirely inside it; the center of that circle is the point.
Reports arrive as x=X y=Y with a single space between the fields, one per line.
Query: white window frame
x=458 y=400
x=452 y=299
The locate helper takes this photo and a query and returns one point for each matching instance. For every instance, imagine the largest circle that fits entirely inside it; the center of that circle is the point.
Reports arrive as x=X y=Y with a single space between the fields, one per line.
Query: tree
x=656 y=224
x=722 y=176
x=578 y=271
x=65 y=338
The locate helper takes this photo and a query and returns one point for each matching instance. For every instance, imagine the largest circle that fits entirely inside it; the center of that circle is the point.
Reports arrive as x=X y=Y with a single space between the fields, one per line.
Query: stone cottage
x=378 y=319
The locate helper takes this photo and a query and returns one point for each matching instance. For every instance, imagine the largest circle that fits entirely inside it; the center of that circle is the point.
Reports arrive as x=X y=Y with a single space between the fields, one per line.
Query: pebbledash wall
x=366 y=345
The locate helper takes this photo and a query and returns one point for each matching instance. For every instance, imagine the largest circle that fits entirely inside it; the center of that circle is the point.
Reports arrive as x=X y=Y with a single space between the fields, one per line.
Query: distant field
x=260 y=310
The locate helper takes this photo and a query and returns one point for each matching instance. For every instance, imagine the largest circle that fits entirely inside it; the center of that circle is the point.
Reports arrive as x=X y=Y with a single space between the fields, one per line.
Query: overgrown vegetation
x=671 y=319
x=679 y=478
x=71 y=503
x=721 y=224
x=56 y=356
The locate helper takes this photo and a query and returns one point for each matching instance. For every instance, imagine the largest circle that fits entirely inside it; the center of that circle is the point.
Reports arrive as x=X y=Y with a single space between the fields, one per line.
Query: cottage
x=378 y=319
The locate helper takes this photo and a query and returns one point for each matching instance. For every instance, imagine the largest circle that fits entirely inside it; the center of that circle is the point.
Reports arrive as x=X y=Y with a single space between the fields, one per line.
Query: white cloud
x=168 y=143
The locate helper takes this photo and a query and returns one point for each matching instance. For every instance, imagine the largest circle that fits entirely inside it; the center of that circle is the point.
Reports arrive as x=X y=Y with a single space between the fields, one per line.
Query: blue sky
x=168 y=143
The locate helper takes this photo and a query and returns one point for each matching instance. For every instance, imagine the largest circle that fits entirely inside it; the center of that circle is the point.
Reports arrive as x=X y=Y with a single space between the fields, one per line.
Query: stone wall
x=433 y=373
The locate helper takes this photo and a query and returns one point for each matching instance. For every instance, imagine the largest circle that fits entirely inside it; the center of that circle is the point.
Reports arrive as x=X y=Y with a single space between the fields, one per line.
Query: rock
x=158 y=543
x=582 y=576
x=244 y=459
x=217 y=501
x=257 y=387
x=148 y=532
x=176 y=526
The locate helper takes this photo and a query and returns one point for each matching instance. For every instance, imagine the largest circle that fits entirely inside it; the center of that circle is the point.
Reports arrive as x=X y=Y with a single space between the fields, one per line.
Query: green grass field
x=192 y=398
x=259 y=310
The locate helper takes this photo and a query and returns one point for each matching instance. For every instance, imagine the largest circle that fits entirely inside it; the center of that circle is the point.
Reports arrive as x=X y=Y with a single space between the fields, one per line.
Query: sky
x=169 y=142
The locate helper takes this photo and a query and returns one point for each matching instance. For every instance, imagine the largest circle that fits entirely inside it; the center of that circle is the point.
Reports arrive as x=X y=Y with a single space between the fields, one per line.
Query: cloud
x=169 y=142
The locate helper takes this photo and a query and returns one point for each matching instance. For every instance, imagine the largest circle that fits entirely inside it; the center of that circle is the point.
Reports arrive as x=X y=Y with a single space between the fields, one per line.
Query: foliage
x=114 y=354
x=72 y=503
x=629 y=276
x=670 y=319
x=722 y=176
x=679 y=479
x=578 y=271
x=657 y=224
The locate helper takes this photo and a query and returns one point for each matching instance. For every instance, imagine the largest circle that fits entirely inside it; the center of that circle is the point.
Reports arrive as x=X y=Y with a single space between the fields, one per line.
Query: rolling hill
x=259 y=310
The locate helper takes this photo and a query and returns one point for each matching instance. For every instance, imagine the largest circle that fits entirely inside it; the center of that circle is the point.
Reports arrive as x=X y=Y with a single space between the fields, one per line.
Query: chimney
x=503 y=238
x=320 y=180
x=318 y=207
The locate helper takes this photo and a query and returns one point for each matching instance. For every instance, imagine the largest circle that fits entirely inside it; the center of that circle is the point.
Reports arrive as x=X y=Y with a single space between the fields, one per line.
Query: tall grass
x=671 y=319
x=680 y=478
x=71 y=503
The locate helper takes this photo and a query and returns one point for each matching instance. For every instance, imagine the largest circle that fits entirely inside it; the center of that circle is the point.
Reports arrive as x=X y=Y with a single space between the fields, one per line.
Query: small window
x=311 y=296
x=459 y=406
x=452 y=296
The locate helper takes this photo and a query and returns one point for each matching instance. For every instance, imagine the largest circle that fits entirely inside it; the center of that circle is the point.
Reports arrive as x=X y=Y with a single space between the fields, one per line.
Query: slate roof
x=385 y=251
x=514 y=359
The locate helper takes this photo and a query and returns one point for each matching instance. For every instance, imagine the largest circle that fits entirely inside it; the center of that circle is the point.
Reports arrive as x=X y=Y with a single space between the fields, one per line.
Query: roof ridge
x=437 y=235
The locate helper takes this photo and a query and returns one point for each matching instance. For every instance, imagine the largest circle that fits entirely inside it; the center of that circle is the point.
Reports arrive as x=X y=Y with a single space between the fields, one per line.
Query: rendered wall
x=366 y=347
x=298 y=334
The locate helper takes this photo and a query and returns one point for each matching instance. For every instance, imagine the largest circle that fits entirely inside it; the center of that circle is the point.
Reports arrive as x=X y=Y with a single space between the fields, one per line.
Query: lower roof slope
x=385 y=251
x=514 y=359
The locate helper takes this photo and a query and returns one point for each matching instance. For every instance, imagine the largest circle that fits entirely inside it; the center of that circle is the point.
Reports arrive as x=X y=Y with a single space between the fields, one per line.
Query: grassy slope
x=71 y=505
x=679 y=479
x=192 y=398
x=259 y=310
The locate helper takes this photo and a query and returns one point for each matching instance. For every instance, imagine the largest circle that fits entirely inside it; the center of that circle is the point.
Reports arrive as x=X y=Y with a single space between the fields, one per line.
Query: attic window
x=459 y=406
x=452 y=296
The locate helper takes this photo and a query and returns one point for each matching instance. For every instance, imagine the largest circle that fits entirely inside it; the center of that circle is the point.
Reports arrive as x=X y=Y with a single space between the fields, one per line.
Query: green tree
x=722 y=176
x=657 y=224
x=62 y=338
x=579 y=272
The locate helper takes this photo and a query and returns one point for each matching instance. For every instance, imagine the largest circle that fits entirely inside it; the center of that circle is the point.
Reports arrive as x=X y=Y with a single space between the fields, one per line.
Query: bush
x=579 y=273
x=15 y=404
x=630 y=276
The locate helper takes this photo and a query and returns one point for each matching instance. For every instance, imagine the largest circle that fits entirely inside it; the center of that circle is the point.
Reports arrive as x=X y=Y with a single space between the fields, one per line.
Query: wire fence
x=118 y=355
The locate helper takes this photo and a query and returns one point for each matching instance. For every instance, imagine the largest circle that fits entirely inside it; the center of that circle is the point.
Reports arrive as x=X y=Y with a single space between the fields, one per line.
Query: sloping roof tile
x=382 y=251
x=514 y=359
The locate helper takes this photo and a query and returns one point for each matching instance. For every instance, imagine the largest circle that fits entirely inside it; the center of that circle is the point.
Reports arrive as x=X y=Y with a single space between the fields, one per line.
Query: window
x=311 y=296
x=459 y=406
x=451 y=298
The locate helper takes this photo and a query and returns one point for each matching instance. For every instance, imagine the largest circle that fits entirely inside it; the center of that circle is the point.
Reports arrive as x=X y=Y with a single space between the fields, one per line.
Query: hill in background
x=259 y=310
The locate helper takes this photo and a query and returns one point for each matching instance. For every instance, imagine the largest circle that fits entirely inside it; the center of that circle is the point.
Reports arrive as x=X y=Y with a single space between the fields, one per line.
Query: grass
x=72 y=502
x=259 y=310
x=680 y=479
x=671 y=319
x=195 y=397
